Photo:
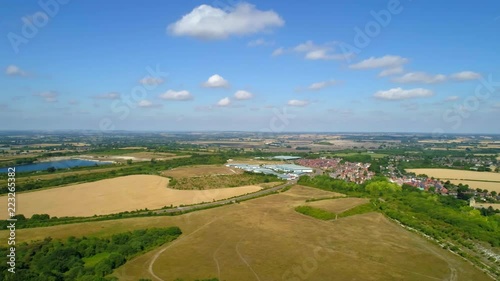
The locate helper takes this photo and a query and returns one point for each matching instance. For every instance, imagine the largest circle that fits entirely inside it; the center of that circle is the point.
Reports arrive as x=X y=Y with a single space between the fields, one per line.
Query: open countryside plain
x=201 y=170
x=337 y=205
x=265 y=239
x=488 y=180
x=115 y=195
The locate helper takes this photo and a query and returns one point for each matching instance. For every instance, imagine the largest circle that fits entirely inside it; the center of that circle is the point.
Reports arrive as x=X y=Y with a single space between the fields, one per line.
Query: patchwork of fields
x=115 y=195
x=265 y=239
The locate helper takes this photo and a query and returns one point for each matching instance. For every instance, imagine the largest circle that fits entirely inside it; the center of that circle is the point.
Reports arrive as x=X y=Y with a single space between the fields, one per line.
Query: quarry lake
x=62 y=164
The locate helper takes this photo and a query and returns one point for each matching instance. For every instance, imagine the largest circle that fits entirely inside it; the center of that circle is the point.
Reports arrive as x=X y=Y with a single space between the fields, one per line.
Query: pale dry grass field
x=490 y=186
x=338 y=205
x=201 y=170
x=265 y=239
x=457 y=174
x=115 y=195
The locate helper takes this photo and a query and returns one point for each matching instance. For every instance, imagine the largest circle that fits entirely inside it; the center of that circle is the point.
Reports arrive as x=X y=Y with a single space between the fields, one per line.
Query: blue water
x=63 y=164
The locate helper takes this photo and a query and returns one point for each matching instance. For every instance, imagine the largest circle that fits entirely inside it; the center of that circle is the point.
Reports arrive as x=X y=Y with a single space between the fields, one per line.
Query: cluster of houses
x=423 y=184
x=349 y=171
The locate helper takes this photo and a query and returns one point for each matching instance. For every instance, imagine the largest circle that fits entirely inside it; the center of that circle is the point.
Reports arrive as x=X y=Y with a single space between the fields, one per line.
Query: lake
x=62 y=164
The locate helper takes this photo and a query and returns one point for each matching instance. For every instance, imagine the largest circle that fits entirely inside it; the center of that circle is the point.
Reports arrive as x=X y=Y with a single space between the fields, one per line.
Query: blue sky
x=275 y=66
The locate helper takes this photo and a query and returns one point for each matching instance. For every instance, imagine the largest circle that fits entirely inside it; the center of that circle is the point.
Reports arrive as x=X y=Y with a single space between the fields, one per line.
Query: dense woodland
x=82 y=259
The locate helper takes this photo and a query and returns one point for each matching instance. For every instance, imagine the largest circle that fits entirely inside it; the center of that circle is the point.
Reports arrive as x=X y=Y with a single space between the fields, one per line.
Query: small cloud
x=298 y=103
x=260 y=42
x=49 y=96
x=321 y=85
x=312 y=51
x=73 y=102
x=224 y=102
x=243 y=95
x=210 y=23
x=13 y=70
x=216 y=81
x=147 y=104
x=278 y=52
x=452 y=98
x=496 y=105
x=391 y=71
x=465 y=76
x=108 y=96
x=176 y=95
x=401 y=94
x=390 y=63
x=420 y=77
x=151 y=81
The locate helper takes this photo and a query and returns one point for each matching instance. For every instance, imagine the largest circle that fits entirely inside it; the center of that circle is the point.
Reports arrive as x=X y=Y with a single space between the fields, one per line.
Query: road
x=227 y=201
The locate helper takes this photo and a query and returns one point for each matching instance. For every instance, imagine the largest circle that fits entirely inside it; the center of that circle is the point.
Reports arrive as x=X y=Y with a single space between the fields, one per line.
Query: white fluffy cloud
x=298 y=103
x=387 y=61
x=207 y=22
x=49 y=96
x=312 y=51
x=14 y=70
x=420 y=77
x=465 y=75
x=216 y=81
x=401 y=94
x=176 y=95
x=391 y=64
x=243 y=95
x=146 y=104
x=108 y=96
x=224 y=102
x=278 y=52
x=148 y=80
x=391 y=71
x=321 y=85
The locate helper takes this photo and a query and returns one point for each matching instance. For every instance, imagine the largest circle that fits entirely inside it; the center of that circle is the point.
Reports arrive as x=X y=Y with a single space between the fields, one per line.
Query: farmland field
x=490 y=186
x=265 y=239
x=201 y=170
x=488 y=180
x=115 y=195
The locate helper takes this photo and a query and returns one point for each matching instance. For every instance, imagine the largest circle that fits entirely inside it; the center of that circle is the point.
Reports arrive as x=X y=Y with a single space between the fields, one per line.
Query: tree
x=129 y=161
x=51 y=169
x=493 y=193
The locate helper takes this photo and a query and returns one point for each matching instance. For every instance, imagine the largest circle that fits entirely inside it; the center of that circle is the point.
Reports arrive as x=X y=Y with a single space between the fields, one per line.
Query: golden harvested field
x=115 y=195
x=457 y=174
x=202 y=170
x=483 y=180
x=338 y=205
x=490 y=186
x=265 y=239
